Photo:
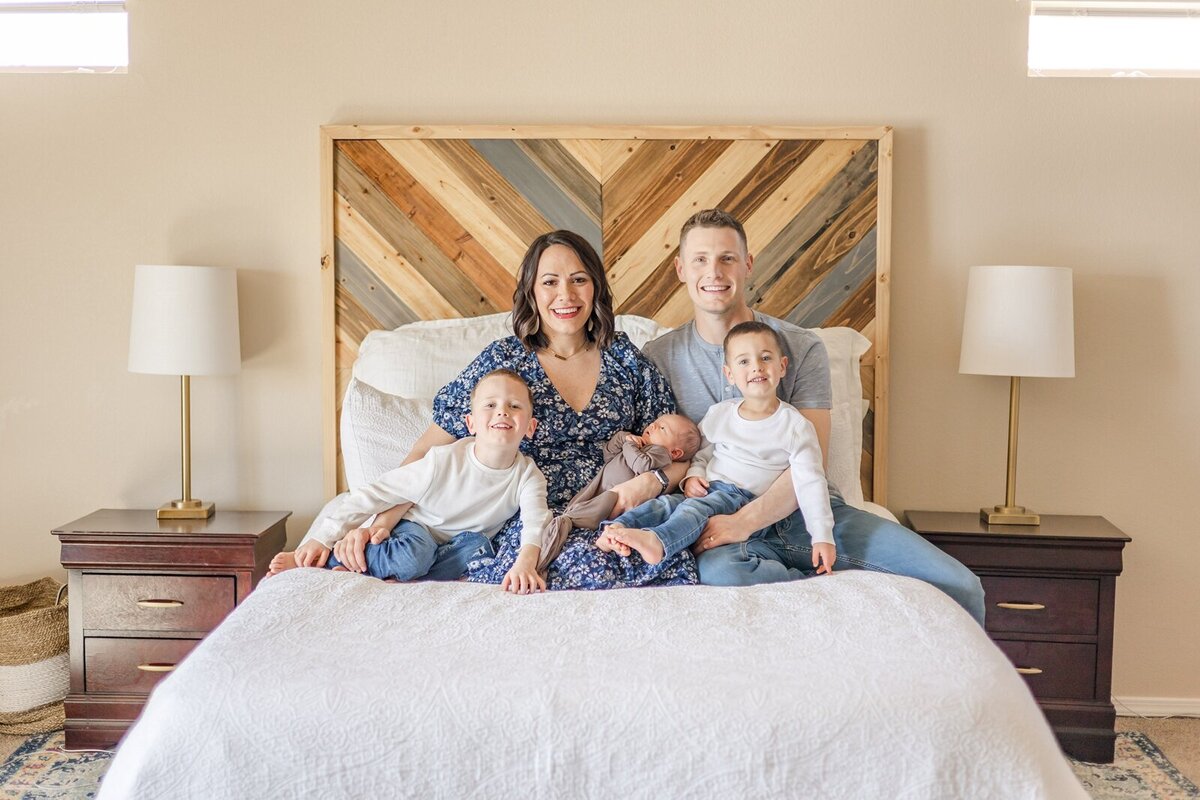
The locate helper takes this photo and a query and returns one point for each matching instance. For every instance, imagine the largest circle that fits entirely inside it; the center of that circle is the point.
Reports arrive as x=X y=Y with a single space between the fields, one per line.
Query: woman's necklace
x=560 y=357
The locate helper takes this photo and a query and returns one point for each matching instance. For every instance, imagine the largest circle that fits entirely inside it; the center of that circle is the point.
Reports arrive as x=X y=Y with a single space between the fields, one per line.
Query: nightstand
x=1050 y=591
x=143 y=593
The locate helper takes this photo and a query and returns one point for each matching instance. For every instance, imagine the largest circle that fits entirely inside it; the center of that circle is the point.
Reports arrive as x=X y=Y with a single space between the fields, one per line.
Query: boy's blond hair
x=506 y=373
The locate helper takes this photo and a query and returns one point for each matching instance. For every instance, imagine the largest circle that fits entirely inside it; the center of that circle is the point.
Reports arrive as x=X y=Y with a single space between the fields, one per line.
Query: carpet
x=1140 y=770
x=39 y=770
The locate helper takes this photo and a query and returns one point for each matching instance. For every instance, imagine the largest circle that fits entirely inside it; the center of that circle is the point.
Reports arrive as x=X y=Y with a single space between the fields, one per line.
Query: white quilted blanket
x=332 y=685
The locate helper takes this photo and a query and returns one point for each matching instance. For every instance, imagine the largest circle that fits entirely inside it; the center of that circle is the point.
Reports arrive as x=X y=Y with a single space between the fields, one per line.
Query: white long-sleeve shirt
x=751 y=454
x=451 y=492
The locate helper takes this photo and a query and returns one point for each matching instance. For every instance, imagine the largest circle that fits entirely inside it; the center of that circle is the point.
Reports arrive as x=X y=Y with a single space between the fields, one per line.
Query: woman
x=588 y=382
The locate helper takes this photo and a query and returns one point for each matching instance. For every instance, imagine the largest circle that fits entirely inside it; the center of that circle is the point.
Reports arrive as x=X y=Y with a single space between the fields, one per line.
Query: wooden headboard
x=430 y=222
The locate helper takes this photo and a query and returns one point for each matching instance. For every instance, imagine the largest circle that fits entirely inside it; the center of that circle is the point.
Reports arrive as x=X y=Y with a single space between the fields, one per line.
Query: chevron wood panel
x=426 y=223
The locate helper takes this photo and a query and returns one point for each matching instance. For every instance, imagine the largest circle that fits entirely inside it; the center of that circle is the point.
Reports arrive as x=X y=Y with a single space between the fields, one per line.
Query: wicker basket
x=34 y=662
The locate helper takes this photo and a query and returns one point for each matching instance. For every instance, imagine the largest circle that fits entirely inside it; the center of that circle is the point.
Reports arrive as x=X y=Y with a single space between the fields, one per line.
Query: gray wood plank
x=371 y=293
x=569 y=174
x=843 y=279
x=780 y=253
x=536 y=187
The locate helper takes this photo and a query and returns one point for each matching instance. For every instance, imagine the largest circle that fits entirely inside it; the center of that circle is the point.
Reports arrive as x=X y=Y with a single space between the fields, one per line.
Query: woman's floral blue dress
x=568 y=447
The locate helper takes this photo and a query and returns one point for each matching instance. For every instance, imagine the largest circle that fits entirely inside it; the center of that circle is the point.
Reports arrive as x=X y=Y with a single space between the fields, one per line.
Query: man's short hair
x=753 y=326
x=507 y=373
x=712 y=218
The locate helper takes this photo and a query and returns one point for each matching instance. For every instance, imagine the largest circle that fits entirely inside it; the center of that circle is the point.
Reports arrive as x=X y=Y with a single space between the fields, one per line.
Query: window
x=1114 y=39
x=64 y=36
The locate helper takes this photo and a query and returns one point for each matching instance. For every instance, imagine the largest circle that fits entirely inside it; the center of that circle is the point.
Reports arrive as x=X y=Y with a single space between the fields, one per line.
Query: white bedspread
x=334 y=685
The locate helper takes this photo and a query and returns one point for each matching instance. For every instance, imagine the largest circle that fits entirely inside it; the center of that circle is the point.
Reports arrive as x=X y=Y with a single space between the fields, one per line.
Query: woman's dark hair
x=527 y=325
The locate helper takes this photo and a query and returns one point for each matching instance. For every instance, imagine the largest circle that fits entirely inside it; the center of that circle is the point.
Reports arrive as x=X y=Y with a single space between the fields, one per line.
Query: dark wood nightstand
x=1050 y=591
x=143 y=592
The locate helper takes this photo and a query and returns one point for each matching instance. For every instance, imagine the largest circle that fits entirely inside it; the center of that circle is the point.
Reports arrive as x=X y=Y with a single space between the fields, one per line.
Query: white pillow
x=378 y=429
x=845 y=347
x=417 y=360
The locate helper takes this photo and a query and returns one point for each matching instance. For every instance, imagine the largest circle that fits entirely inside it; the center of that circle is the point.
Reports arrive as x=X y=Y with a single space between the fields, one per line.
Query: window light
x=1114 y=39
x=64 y=36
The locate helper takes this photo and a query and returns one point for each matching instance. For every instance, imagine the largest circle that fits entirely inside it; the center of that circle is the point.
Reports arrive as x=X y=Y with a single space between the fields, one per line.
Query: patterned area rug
x=39 y=770
x=1139 y=771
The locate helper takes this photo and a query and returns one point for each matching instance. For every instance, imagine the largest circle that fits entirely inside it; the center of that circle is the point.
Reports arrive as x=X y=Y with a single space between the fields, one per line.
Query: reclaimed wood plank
x=803 y=233
x=798 y=189
x=636 y=198
x=391 y=267
x=829 y=292
x=462 y=197
x=588 y=153
x=509 y=205
x=644 y=132
x=780 y=161
x=372 y=294
x=438 y=225
x=407 y=239
x=639 y=261
x=523 y=175
x=614 y=152
x=558 y=164
x=354 y=321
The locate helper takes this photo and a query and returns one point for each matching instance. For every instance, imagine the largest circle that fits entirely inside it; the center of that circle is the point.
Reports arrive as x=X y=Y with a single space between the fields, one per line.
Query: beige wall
x=207 y=153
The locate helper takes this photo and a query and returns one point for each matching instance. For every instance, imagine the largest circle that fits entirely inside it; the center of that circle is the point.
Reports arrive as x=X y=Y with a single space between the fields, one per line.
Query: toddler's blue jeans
x=411 y=553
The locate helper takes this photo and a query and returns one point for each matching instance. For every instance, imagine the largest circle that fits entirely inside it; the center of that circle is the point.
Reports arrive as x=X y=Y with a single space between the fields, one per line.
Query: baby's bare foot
x=647 y=543
x=281 y=562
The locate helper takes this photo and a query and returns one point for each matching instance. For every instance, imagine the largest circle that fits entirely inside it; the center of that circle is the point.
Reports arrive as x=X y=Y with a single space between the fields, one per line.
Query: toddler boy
x=461 y=494
x=748 y=443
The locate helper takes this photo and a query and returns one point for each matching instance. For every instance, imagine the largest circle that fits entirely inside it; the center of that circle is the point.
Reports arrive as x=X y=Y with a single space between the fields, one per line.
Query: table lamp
x=185 y=322
x=1018 y=322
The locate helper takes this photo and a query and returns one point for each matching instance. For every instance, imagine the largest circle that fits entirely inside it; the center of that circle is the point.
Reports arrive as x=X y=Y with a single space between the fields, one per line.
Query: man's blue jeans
x=783 y=552
x=678 y=521
x=411 y=553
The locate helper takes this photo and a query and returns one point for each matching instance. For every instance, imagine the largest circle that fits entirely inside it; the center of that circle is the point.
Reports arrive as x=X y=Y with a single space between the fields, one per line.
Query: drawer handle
x=1029 y=670
x=1022 y=606
x=160 y=603
x=156 y=667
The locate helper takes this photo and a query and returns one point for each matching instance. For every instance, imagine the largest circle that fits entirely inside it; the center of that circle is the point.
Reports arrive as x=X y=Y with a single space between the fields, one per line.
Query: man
x=766 y=540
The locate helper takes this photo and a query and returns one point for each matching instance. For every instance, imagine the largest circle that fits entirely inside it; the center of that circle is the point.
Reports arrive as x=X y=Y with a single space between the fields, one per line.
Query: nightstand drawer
x=156 y=602
x=130 y=665
x=1041 y=605
x=1062 y=669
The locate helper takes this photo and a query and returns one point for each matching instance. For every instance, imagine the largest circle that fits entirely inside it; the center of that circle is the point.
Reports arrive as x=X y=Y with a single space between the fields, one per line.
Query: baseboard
x=1157 y=706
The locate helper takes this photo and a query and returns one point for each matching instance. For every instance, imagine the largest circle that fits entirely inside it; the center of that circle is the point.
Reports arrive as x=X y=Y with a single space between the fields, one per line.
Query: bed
x=335 y=685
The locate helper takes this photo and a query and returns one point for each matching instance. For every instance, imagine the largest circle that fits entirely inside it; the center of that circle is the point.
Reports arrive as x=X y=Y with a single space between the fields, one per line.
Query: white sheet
x=334 y=685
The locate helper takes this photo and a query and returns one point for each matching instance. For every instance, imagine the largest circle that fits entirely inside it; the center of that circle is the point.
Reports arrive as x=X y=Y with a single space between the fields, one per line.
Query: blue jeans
x=678 y=521
x=411 y=553
x=783 y=552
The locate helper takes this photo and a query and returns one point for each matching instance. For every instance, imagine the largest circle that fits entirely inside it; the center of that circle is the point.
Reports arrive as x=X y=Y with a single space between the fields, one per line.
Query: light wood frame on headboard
x=429 y=222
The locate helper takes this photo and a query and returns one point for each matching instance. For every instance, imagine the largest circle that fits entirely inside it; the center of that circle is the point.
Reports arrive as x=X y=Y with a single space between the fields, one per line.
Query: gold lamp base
x=1009 y=515
x=186 y=509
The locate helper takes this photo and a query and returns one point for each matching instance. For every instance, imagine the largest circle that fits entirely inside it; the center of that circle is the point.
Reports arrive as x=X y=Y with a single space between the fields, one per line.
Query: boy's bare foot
x=647 y=543
x=609 y=544
x=281 y=562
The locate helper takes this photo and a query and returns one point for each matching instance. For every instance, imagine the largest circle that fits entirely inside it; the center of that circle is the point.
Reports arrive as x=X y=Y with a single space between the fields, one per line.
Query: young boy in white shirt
x=462 y=494
x=749 y=442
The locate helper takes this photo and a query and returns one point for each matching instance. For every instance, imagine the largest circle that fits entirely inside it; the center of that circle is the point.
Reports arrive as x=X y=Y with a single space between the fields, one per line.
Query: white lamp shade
x=1019 y=321
x=185 y=321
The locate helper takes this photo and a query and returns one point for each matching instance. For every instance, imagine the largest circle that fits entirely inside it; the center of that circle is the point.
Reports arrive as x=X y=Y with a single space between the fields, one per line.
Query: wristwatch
x=662 y=478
